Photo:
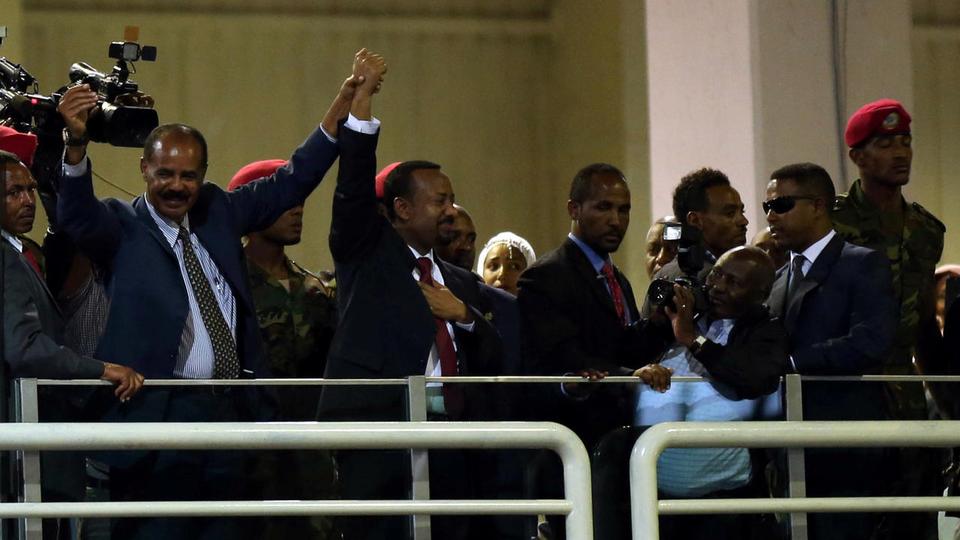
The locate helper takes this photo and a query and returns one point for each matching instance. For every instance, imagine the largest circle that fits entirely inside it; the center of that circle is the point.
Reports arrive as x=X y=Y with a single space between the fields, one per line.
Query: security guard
x=873 y=213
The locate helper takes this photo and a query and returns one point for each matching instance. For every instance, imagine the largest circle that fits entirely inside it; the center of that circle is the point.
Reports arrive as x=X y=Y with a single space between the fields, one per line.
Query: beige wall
x=511 y=105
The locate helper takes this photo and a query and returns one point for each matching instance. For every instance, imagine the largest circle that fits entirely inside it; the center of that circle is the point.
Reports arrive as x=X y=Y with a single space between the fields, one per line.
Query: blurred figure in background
x=765 y=241
x=659 y=251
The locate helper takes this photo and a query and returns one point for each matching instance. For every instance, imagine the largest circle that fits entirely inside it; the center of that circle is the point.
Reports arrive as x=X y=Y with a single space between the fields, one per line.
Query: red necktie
x=32 y=260
x=615 y=291
x=452 y=393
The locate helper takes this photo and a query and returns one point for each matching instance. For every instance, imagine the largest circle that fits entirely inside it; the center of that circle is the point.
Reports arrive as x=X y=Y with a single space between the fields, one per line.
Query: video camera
x=110 y=121
x=691 y=254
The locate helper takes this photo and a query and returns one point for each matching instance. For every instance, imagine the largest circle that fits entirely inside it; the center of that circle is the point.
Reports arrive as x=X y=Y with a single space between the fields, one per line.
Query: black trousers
x=178 y=475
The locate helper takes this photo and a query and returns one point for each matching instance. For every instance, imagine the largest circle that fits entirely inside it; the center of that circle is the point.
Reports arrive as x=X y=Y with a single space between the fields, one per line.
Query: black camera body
x=691 y=255
x=110 y=121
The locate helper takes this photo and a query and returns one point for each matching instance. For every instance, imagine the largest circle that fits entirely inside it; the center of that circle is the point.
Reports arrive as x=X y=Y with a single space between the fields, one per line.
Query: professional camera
x=690 y=257
x=110 y=121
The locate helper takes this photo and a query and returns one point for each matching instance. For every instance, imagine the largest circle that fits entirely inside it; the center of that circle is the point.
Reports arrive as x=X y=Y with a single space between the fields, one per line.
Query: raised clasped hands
x=369 y=69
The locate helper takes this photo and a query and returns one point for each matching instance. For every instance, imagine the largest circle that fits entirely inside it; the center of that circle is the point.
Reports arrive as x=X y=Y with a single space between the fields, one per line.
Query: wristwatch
x=697 y=344
x=70 y=141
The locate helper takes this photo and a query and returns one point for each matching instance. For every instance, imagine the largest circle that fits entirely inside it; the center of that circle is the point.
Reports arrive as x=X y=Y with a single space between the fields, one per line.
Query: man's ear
x=401 y=208
x=694 y=219
x=143 y=167
x=856 y=155
x=573 y=209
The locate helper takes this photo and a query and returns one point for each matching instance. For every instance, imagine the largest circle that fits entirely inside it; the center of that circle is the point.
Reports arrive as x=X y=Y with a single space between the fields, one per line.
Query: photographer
x=742 y=351
x=713 y=220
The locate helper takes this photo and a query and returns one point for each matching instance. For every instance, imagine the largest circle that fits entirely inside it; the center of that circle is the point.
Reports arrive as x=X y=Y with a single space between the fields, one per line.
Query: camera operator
x=713 y=220
x=742 y=350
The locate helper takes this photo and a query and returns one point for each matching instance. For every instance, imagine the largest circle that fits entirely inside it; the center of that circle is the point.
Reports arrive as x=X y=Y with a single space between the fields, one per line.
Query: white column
x=746 y=86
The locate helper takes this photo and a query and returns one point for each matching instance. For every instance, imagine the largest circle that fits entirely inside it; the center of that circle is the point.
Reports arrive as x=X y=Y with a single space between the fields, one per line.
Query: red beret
x=21 y=144
x=253 y=171
x=382 y=177
x=881 y=117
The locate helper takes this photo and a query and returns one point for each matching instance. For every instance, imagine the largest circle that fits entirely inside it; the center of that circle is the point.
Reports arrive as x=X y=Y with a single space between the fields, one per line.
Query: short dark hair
x=582 y=186
x=399 y=182
x=690 y=195
x=809 y=177
x=162 y=131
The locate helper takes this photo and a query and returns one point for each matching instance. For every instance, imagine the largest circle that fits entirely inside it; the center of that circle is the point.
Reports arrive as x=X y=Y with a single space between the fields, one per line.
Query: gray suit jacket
x=33 y=327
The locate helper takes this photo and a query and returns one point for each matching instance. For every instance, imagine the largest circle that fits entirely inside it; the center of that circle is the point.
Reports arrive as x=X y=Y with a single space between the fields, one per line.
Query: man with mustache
x=403 y=312
x=837 y=304
x=578 y=316
x=874 y=214
x=181 y=305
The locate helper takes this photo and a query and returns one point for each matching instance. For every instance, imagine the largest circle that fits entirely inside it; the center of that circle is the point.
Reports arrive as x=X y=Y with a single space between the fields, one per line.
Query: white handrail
x=643 y=463
x=577 y=504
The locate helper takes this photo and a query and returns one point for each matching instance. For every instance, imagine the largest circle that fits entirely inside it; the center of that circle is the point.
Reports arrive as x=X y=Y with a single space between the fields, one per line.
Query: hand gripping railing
x=577 y=504
x=643 y=464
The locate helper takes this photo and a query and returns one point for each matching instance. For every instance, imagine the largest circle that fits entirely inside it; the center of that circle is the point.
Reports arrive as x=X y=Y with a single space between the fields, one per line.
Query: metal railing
x=576 y=505
x=643 y=464
x=416 y=394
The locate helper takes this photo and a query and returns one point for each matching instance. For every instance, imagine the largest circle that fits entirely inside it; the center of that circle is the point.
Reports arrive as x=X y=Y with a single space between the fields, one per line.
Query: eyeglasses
x=784 y=204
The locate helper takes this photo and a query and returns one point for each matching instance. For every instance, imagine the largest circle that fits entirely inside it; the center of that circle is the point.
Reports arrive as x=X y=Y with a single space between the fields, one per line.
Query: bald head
x=740 y=282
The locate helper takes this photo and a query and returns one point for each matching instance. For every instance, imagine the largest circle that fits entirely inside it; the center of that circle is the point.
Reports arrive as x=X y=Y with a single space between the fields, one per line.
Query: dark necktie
x=796 y=276
x=615 y=291
x=28 y=255
x=225 y=363
x=452 y=393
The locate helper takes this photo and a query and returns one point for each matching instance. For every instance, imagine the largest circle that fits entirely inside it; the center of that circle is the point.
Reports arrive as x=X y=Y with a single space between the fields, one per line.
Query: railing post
x=28 y=411
x=796 y=468
x=419 y=458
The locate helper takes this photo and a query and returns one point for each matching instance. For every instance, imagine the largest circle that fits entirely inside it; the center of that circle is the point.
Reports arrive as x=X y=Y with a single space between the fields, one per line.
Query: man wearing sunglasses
x=837 y=304
x=873 y=213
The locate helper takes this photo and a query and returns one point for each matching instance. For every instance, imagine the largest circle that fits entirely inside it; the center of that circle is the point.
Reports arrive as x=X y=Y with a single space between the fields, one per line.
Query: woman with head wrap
x=503 y=258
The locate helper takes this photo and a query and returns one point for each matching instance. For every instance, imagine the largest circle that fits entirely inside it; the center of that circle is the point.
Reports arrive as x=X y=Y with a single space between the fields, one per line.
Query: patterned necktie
x=615 y=291
x=28 y=255
x=452 y=393
x=796 y=276
x=225 y=363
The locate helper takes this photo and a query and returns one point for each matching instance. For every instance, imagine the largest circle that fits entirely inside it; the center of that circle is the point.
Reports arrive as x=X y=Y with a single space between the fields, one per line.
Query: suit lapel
x=777 y=301
x=594 y=281
x=143 y=213
x=817 y=274
x=35 y=278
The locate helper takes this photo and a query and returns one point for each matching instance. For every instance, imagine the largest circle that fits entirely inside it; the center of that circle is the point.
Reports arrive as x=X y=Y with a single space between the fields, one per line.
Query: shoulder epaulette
x=926 y=213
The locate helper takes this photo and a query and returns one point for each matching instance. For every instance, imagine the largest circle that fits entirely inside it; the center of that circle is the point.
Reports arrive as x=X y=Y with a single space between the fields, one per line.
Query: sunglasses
x=782 y=205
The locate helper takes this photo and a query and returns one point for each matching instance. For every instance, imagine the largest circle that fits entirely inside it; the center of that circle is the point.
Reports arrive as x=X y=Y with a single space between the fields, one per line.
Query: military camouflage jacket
x=296 y=326
x=913 y=258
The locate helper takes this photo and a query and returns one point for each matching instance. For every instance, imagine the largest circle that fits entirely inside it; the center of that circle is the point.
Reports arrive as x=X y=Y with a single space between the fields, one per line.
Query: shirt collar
x=13 y=239
x=169 y=228
x=595 y=259
x=812 y=252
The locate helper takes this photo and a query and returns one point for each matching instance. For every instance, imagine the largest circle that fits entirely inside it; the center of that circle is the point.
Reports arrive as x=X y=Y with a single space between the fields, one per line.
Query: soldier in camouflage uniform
x=297 y=317
x=873 y=213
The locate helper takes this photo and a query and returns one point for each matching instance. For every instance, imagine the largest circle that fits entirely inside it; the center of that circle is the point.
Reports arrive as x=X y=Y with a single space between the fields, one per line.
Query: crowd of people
x=191 y=281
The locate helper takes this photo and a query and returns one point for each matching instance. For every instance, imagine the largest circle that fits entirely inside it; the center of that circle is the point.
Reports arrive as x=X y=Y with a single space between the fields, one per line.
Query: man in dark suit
x=33 y=335
x=403 y=312
x=180 y=300
x=578 y=314
x=837 y=304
